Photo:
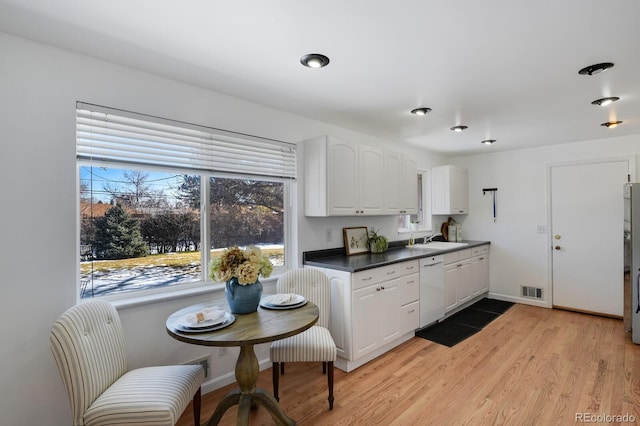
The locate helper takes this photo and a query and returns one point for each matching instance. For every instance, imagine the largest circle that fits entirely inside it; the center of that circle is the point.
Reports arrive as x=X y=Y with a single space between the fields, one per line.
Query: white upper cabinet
x=350 y=179
x=449 y=190
x=409 y=186
x=370 y=180
x=342 y=178
x=400 y=184
x=393 y=181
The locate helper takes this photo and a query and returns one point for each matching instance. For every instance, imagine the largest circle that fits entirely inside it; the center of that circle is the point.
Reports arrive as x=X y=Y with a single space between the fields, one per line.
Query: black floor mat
x=447 y=333
x=465 y=323
x=472 y=317
x=492 y=305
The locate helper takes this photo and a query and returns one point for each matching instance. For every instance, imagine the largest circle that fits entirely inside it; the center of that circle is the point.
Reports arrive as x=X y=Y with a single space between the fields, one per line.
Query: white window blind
x=111 y=135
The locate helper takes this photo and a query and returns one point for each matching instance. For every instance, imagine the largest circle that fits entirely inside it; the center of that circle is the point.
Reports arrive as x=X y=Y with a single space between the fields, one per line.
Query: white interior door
x=587 y=209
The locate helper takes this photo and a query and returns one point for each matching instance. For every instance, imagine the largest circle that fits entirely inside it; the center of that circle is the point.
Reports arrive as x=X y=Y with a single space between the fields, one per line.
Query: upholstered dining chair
x=88 y=345
x=314 y=344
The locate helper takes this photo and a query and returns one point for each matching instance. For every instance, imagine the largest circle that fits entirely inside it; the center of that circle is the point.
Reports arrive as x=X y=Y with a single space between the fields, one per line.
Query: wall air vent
x=531 y=292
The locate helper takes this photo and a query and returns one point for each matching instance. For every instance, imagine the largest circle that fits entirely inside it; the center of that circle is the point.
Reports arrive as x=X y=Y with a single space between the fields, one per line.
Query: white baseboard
x=522 y=300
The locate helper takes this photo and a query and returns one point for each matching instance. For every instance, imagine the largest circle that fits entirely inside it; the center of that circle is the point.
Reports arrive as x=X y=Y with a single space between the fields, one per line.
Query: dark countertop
x=337 y=259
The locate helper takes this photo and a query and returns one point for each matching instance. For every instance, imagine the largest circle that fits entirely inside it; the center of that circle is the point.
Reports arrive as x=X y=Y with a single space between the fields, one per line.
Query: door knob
x=557 y=247
x=557 y=236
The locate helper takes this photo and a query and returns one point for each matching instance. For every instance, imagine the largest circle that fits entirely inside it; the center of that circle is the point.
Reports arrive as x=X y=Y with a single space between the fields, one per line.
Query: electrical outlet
x=542 y=229
x=222 y=351
x=329 y=234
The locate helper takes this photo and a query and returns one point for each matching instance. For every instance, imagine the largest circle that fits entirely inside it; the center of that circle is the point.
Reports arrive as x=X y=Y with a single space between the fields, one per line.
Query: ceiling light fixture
x=605 y=101
x=458 y=128
x=314 y=60
x=421 y=111
x=611 y=124
x=596 y=68
x=488 y=141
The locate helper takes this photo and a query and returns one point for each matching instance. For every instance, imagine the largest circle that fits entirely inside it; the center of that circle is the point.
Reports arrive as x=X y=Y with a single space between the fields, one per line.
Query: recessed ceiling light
x=421 y=111
x=605 y=101
x=458 y=128
x=596 y=68
x=314 y=60
x=611 y=124
x=488 y=141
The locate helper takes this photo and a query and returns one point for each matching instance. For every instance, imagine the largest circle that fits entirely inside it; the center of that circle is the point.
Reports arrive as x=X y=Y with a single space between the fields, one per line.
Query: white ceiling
x=508 y=69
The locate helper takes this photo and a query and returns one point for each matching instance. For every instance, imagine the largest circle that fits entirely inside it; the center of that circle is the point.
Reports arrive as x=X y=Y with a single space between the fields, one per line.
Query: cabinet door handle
x=409 y=268
x=367 y=279
x=410 y=282
x=382 y=287
x=459 y=265
x=391 y=272
x=411 y=311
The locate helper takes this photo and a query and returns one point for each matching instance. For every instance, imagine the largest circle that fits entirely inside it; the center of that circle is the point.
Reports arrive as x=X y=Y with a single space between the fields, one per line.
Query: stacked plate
x=283 y=301
x=186 y=325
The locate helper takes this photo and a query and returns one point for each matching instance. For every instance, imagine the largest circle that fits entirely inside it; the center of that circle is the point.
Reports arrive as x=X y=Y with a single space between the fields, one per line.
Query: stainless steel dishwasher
x=431 y=290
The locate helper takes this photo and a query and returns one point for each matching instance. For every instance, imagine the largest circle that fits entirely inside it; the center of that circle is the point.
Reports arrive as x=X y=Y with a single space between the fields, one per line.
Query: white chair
x=88 y=345
x=314 y=344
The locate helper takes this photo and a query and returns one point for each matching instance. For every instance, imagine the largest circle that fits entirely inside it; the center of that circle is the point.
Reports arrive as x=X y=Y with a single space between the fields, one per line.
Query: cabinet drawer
x=384 y=273
x=477 y=251
x=409 y=317
x=409 y=289
x=366 y=278
x=410 y=267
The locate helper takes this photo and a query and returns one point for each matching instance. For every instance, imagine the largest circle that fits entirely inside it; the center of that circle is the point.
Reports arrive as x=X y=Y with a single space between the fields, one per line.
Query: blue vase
x=243 y=299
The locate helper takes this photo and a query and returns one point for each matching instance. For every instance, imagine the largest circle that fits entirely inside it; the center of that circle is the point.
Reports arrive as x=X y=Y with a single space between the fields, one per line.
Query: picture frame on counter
x=355 y=240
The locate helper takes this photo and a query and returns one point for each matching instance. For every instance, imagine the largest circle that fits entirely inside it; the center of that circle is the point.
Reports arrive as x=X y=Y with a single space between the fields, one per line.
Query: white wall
x=519 y=255
x=39 y=86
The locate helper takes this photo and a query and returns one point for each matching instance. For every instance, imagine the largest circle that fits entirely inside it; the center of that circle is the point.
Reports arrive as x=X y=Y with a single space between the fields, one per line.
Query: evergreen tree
x=118 y=235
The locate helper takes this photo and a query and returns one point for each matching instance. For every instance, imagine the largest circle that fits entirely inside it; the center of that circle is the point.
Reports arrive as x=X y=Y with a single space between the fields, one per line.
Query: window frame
x=205 y=283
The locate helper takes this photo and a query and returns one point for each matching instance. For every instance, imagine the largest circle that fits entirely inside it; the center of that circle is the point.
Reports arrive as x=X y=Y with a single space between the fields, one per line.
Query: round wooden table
x=263 y=326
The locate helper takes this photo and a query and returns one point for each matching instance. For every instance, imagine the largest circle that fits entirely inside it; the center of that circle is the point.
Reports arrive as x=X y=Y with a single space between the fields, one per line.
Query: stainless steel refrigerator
x=632 y=260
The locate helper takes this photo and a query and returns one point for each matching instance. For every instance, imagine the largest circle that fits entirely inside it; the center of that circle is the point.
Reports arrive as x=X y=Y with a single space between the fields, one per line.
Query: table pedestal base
x=245 y=402
x=247 y=371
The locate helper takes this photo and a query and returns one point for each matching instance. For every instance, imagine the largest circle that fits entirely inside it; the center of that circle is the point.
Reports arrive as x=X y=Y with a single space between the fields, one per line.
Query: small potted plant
x=377 y=243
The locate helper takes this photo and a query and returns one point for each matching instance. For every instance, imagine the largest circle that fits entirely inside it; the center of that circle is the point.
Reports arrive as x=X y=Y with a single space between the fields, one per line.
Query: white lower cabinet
x=466 y=275
x=480 y=270
x=373 y=322
x=373 y=311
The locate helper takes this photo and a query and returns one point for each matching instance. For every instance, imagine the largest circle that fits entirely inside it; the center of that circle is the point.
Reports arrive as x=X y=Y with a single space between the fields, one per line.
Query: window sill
x=196 y=289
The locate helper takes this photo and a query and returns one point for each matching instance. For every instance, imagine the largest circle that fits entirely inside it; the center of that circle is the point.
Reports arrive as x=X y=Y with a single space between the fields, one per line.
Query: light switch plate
x=542 y=229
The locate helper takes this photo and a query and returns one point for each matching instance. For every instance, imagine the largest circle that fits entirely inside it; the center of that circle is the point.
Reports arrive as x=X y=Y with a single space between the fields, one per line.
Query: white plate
x=202 y=324
x=270 y=306
x=272 y=300
x=229 y=318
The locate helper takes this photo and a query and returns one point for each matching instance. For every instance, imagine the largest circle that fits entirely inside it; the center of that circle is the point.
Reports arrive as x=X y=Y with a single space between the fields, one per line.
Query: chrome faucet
x=430 y=237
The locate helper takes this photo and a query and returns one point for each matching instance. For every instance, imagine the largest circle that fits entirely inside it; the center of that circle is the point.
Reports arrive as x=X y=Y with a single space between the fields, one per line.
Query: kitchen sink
x=438 y=245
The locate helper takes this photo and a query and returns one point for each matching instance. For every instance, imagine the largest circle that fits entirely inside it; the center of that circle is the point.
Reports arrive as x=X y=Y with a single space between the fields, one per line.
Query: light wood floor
x=530 y=366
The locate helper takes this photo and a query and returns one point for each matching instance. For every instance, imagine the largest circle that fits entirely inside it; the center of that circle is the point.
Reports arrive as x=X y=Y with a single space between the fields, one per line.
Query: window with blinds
x=159 y=199
x=105 y=134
